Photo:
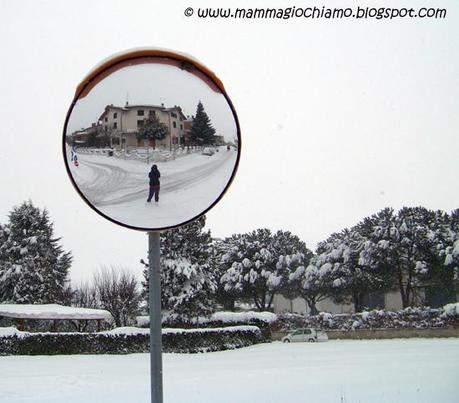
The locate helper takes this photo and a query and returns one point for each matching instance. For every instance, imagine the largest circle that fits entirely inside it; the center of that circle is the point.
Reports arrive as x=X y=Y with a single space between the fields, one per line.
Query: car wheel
x=286 y=341
x=311 y=341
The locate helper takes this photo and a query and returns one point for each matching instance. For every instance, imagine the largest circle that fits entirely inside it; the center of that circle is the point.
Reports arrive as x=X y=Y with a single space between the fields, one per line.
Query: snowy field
x=119 y=188
x=351 y=371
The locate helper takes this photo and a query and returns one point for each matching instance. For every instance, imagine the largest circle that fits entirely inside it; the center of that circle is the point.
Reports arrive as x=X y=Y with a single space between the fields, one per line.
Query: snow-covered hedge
x=451 y=311
x=126 y=340
x=241 y=317
x=262 y=320
x=224 y=317
x=412 y=317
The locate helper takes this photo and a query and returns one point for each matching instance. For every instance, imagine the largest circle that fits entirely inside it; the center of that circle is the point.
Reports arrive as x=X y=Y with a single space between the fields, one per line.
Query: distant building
x=390 y=301
x=122 y=124
x=219 y=140
x=83 y=136
x=187 y=127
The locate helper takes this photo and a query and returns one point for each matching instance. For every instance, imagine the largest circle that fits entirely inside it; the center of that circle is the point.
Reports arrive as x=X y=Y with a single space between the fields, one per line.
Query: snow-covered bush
x=451 y=311
x=411 y=317
x=262 y=320
x=243 y=317
x=127 y=340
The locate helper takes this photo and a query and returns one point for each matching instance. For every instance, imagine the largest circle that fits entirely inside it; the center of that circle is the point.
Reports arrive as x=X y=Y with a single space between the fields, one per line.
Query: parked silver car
x=208 y=151
x=310 y=335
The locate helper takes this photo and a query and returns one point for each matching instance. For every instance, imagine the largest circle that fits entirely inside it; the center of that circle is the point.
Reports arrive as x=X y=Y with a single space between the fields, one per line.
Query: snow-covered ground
x=119 y=188
x=351 y=371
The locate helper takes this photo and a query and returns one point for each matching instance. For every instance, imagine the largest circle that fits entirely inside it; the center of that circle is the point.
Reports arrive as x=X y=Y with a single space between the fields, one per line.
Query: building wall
x=327 y=305
x=298 y=305
x=392 y=302
x=125 y=124
x=282 y=304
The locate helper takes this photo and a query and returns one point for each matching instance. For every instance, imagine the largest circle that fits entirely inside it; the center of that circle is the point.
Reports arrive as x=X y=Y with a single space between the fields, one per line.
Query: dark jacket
x=154 y=176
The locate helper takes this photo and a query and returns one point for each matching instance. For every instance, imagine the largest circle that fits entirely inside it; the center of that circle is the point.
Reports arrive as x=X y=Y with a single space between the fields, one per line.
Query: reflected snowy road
x=107 y=182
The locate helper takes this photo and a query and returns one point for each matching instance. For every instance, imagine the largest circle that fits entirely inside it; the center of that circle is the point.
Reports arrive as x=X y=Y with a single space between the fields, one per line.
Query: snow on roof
x=51 y=311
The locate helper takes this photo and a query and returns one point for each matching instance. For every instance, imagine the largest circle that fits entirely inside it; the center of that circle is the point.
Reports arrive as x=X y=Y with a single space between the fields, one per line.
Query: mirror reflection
x=151 y=146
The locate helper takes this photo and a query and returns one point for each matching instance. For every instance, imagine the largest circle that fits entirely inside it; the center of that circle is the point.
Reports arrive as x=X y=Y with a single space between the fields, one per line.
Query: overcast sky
x=154 y=84
x=339 y=119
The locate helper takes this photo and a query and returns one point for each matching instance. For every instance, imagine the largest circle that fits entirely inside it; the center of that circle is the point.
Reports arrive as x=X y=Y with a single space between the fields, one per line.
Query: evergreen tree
x=306 y=280
x=349 y=268
x=202 y=132
x=439 y=265
x=152 y=129
x=33 y=266
x=416 y=245
x=255 y=266
x=187 y=283
x=226 y=252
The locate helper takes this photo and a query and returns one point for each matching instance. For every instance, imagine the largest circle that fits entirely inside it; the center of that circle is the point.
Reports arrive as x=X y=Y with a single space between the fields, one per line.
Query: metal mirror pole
x=154 y=283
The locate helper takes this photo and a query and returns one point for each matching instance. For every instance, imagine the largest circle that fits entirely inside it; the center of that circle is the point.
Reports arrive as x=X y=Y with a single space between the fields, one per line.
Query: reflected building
x=122 y=124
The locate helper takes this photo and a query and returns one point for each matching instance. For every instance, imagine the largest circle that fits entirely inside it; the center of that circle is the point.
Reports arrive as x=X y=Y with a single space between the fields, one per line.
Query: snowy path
x=352 y=371
x=119 y=188
x=109 y=183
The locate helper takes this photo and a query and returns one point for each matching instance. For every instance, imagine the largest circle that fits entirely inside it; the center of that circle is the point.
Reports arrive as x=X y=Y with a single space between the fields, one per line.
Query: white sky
x=339 y=118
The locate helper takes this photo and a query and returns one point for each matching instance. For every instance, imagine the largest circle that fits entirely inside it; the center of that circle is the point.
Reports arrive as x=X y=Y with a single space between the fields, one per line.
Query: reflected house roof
x=82 y=134
x=128 y=107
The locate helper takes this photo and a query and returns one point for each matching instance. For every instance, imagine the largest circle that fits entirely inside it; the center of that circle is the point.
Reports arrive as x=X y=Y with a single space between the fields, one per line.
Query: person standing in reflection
x=154 y=176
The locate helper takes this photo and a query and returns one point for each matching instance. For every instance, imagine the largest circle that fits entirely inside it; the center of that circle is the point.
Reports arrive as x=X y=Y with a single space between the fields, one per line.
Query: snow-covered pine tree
x=202 y=131
x=349 y=268
x=306 y=280
x=415 y=245
x=230 y=289
x=8 y=270
x=336 y=265
x=187 y=282
x=33 y=266
x=440 y=268
x=253 y=264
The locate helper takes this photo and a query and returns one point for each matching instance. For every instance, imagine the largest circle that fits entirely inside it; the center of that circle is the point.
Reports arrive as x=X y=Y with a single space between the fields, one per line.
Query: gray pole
x=154 y=283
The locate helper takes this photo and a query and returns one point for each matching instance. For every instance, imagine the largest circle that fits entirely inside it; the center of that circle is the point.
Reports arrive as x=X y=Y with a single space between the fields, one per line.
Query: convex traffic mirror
x=151 y=140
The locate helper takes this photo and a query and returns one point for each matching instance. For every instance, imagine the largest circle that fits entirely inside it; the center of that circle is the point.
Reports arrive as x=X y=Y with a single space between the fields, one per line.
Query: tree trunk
x=228 y=303
x=312 y=306
x=403 y=294
x=263 y=302
x=358 y=301
x=270 y=301
x=257 y=303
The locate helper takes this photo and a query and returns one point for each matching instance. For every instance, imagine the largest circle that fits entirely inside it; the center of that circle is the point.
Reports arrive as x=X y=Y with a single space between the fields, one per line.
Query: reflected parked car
x=207 y=151
x=310 y=335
